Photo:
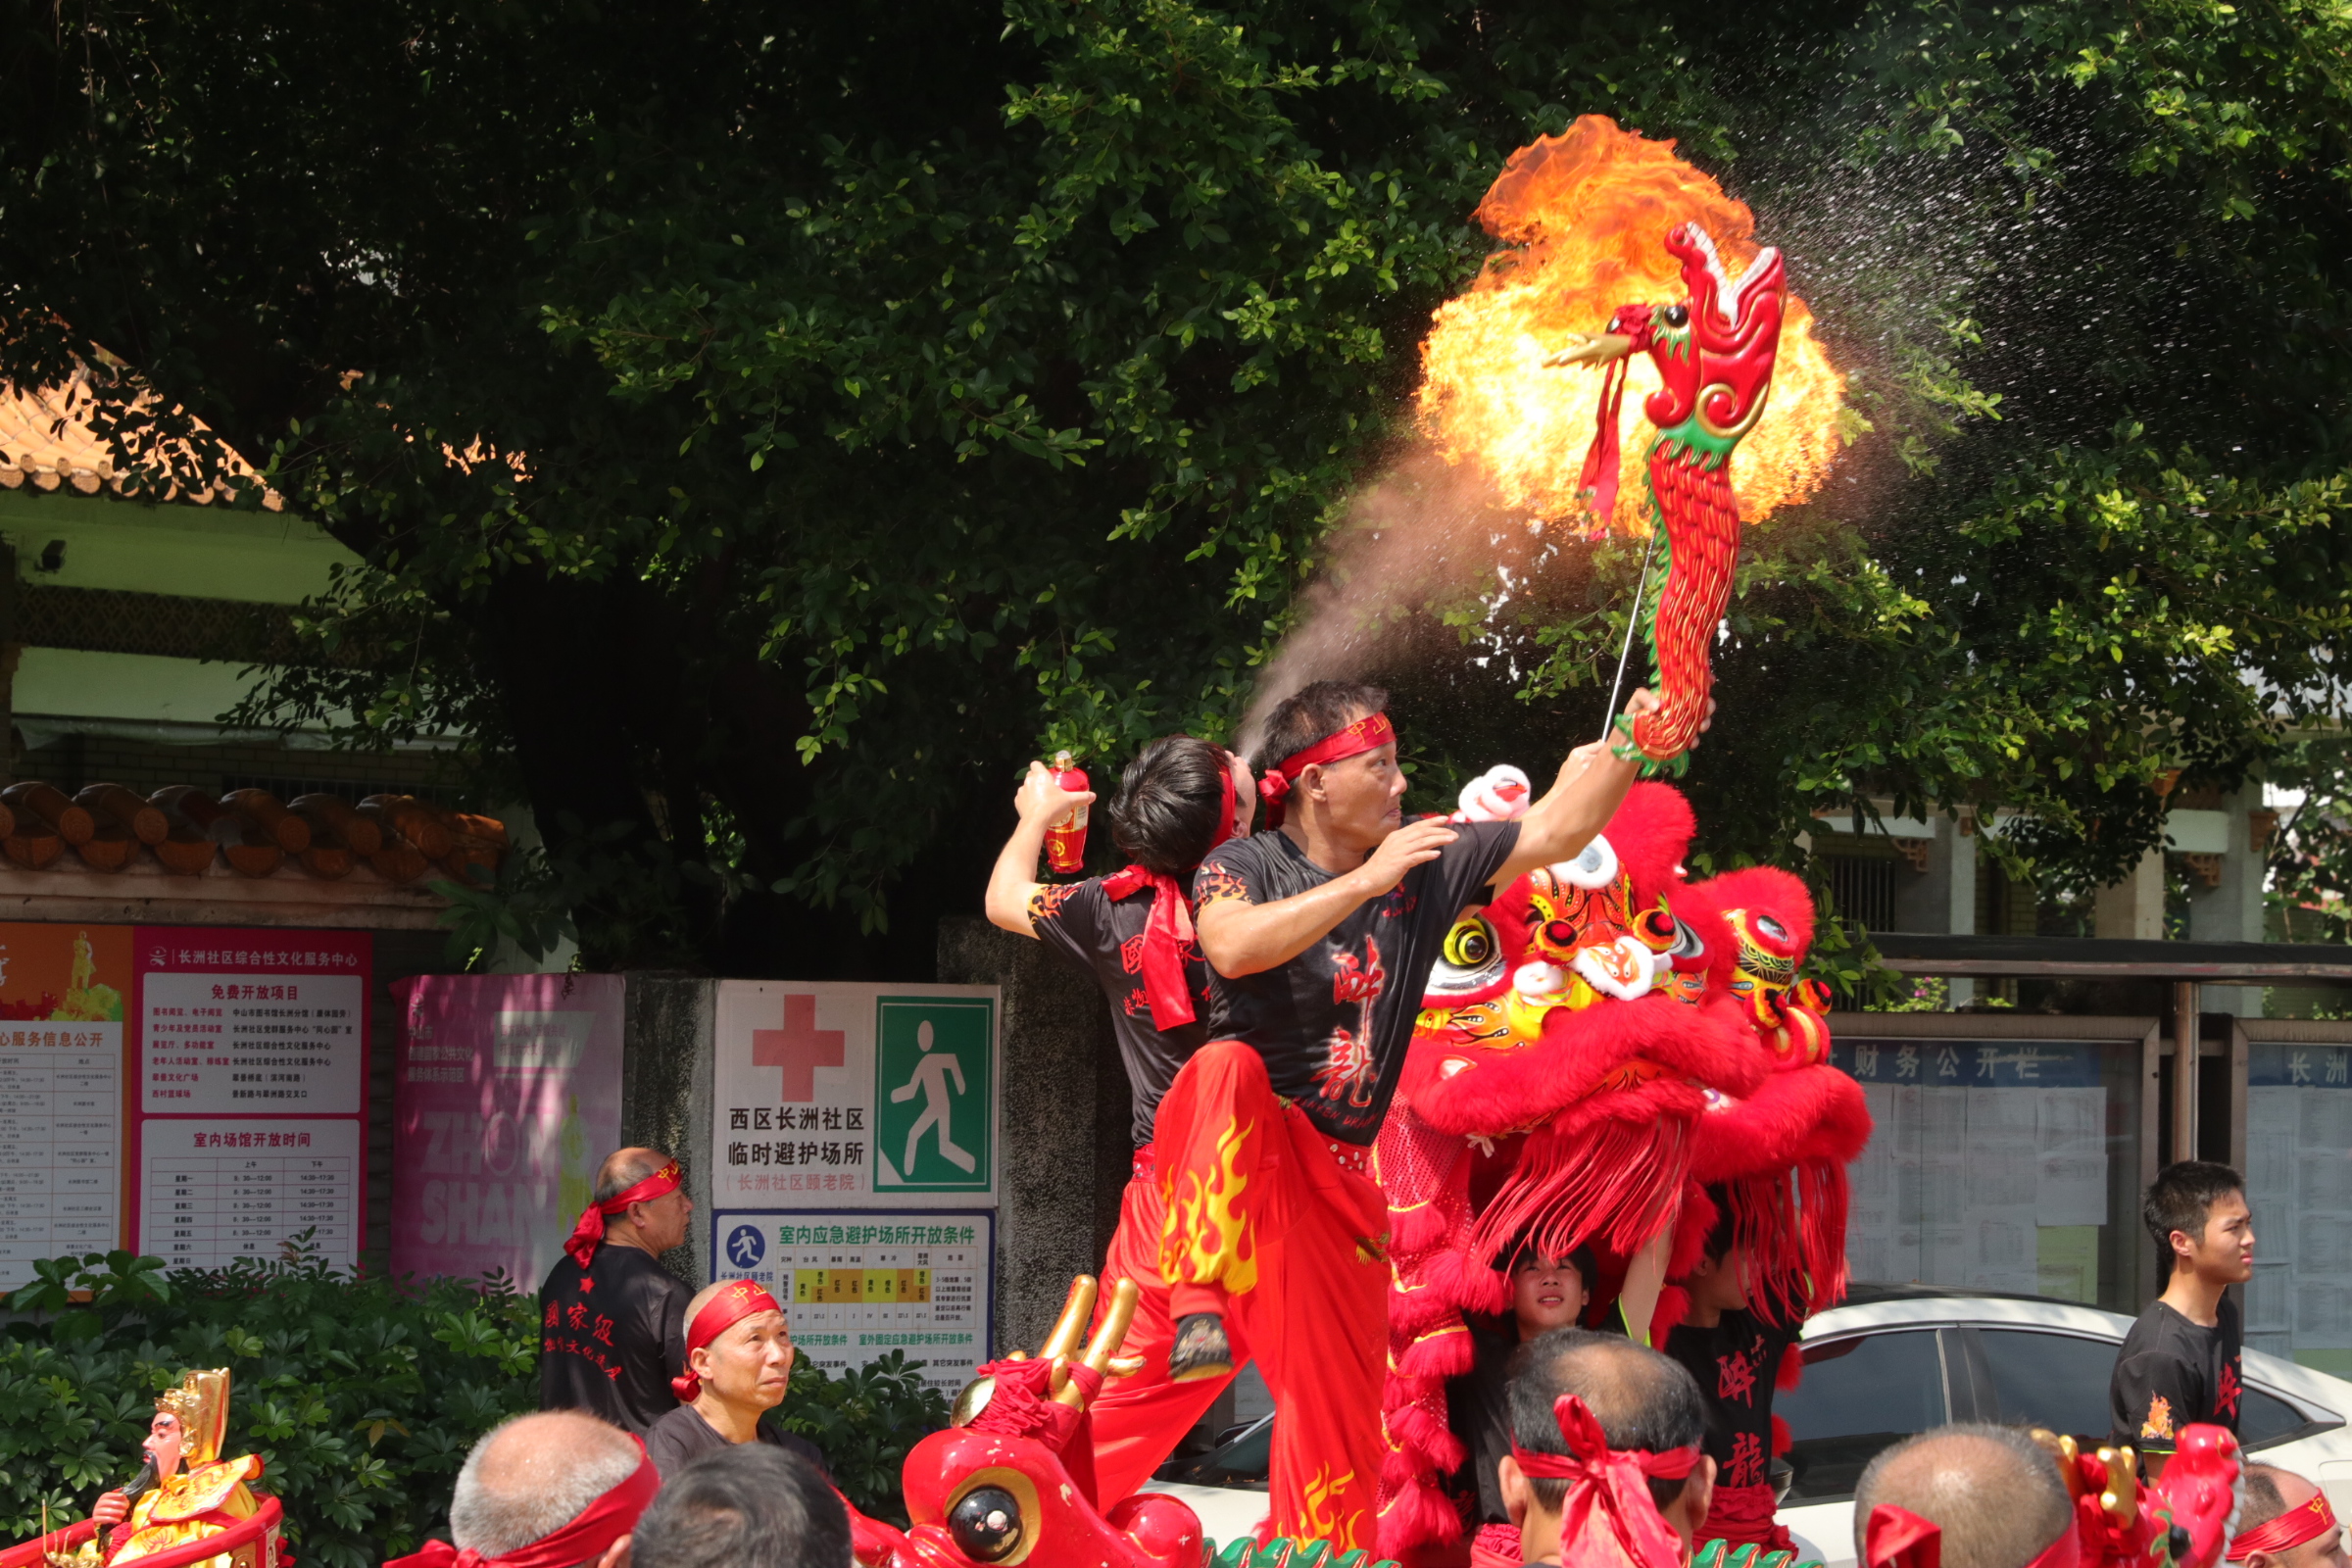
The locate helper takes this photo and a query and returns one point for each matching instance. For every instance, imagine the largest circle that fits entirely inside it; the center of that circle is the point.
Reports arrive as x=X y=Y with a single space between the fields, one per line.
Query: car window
x=2266 y=1419
x=1858 y=1396
x=2057 y=1381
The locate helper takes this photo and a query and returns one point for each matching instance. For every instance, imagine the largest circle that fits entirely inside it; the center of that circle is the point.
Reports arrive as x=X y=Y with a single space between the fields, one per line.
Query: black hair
x=1726 y=1228
x=1995 y=1494
x=1165 y=813
x=2181 y=1199
x=1642 y=1400
x=1309 y=713
x=749 y=1506
x=1528 y=1255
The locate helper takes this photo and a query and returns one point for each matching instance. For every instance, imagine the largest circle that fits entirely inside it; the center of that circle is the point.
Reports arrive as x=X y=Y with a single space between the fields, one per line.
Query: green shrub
x=362 y=1397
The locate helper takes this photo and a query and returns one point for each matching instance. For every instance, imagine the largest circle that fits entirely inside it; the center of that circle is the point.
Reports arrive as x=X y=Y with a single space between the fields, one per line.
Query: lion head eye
x=1772 y=928
x=985 y=1522
x=1469 y=944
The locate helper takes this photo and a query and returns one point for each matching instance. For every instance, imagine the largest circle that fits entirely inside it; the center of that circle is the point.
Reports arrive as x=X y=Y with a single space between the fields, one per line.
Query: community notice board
x=854 y=1160
x=196 y=1093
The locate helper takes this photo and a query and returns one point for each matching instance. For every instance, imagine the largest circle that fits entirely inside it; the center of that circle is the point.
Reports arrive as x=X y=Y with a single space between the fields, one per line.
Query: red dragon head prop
x=1598 y=1045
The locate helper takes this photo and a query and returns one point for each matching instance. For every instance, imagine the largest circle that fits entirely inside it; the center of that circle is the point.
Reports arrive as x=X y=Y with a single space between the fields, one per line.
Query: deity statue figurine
x=195 y=1493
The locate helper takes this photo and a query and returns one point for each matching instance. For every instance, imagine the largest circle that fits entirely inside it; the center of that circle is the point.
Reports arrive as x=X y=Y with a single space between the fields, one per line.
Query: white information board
x=219 y=1188
x=858 y=1285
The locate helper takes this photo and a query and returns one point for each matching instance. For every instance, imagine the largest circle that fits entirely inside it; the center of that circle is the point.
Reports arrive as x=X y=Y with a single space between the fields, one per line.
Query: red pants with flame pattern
x=1139 y=1420
x=1269 y=1225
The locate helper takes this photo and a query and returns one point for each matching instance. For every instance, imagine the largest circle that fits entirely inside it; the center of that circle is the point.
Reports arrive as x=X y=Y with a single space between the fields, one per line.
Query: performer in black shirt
x=1321 y=936
x=2181 y=1361
x=611 y=1318
x=1132 y=931
x=1738 y=1357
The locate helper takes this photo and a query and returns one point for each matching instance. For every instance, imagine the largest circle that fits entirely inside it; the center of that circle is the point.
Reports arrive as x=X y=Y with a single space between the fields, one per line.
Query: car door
x=2058 y=1378
x=1861 y=1393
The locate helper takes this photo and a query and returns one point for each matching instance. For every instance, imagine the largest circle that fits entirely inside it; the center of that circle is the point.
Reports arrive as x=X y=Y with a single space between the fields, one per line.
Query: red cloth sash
x=1167 y=933
x=2292 y=1528
x=1897 y=1537
x=1599 y=481
x=581 y=1243
x=583 y=1540
x=1609 y=1506
x=721 y=1313
x=1367 y=734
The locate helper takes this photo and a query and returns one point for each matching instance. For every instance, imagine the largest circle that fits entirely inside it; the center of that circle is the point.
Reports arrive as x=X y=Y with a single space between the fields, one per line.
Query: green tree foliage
x=764 y=435
x=361 y=1398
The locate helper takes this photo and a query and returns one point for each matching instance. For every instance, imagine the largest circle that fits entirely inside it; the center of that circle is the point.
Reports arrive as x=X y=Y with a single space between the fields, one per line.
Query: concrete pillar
x=668 y=1023
x=2133 y=907
x=2230 y=907
x=1063 y=1122
x=1941 y=894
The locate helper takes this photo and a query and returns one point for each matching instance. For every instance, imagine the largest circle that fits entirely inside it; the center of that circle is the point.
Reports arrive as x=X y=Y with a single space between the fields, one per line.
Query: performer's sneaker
x=1201 y=1350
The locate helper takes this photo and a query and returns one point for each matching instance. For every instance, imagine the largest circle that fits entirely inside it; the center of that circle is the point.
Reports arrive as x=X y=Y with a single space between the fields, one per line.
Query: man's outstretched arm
x=1590 y=786
x=1242 y=938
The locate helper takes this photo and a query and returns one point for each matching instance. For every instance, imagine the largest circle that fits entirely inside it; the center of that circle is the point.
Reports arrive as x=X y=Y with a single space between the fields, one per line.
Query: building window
x=1863 y=889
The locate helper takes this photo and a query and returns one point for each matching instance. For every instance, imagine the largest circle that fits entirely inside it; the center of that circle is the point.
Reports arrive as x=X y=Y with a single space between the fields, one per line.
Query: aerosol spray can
x=1066 y=835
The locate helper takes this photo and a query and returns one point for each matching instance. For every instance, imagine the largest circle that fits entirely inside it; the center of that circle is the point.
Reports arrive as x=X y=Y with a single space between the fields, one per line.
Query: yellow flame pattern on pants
x=1204 y=1241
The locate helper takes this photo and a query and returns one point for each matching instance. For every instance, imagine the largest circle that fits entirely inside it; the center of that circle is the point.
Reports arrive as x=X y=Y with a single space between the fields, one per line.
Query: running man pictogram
x=930 y=1081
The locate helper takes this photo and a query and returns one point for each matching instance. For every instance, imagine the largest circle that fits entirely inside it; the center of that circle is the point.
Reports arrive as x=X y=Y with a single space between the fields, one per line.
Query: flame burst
x=1584 y=213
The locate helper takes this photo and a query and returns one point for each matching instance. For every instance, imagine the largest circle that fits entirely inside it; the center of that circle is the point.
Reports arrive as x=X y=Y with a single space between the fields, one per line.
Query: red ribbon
x=582 y=1242
x=1167 y=933
x=1367 y=734
x=583 y=1540
x=2292 y=1528
x=1022 y=1404
x=721 y=1313
x=1599 y=481
x=1609 y=1506
x=1897 y=1537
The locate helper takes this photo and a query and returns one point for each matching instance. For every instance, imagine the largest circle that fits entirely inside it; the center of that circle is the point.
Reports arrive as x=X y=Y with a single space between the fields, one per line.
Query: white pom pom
x=1501 y=794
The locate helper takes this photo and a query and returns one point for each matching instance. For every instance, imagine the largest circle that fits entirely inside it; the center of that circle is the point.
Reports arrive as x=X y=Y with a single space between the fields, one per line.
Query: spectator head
x=2285 y=1522
x=537 y=1475
x=1355 y=798
x=1548 y=1293
x=1171 y=798
x=1995 y=1493
x=748 y=1506
x=656 y=1225
x=2196 y=1210
x=1642 y=1400
x=745 y=1367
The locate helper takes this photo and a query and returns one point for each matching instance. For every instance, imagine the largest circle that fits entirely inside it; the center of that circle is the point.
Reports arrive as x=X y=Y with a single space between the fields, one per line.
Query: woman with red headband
x=1321 y=935
x=739 y=1359
x=1132 y=931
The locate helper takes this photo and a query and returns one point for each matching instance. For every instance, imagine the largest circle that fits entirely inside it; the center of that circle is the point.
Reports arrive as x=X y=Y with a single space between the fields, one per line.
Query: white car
x=1897 y=1360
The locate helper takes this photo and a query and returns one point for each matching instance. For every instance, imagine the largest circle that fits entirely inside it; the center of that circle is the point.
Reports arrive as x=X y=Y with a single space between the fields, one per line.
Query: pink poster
x=506 y=1097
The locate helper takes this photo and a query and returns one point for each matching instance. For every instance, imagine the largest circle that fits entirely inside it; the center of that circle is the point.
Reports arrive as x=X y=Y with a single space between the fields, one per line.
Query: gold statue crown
x=201 y=1405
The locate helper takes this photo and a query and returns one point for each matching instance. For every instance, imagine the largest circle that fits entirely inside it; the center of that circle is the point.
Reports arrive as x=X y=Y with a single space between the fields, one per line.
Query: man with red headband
x=557 y=1490
x=739 y=1359
x=2285 y=1522
x=1605 y=1467
x=612 y=1319
x=1321 y=935
x=1988 y=1496
x=1132 y=931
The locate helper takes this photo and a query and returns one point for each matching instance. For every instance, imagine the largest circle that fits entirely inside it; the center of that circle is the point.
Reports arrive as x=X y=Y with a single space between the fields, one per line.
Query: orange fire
x=1584 y=215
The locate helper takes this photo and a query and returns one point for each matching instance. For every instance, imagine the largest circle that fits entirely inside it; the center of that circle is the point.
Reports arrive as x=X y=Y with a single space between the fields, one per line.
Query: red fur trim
x=1466 y=1283
x=1780 y=1433
x=1437 y=1355
x=1809 y=1113
x=1792 y=1373
x=1422 y=1228
x=1651 y=832
x=1413 y=1313
x=1759 y=889
x=1692 y=1230
x=1674 y=1305
x=1418 y=1515
x=1619 y=1183
x=1560 y=1075
x=1422 y=1438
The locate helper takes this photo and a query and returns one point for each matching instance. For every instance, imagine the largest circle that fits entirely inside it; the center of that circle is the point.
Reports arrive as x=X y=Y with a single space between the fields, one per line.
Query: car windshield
x=2057 y=1381
x=1858 y=1396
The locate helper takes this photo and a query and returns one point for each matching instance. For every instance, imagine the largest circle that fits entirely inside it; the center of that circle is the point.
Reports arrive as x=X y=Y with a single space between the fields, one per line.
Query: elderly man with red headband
x=2285 y=1522
x=557 y=1490
x=1132 y=931
x=612 y=1319
x=1321 y=935
x=739 y=1359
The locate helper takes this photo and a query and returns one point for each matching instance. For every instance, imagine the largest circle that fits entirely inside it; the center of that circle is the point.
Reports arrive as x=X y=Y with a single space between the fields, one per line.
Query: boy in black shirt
x=2181 y=1361
x=1132 y=931
x=1321 y=933
x=1737 y=1356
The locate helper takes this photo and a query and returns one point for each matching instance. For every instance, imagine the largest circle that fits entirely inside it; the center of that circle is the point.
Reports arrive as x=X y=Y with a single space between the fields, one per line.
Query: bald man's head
x=1995 y=1493
x=531 y=1476
x=2270 y=1493
x=624 y=1168
x=1642 y=1400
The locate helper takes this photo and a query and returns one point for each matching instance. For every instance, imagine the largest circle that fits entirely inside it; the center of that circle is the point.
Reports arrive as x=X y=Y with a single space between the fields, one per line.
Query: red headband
x=1897 y=1537
x=1368 y=734
x=1607 y=1488
x=581 y=1242
x=583 y=1540
x=721 y=1313
x=2292 y=1528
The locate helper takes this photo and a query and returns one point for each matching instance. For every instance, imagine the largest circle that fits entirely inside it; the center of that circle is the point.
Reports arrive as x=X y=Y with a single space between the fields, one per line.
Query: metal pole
x=2184 y=1069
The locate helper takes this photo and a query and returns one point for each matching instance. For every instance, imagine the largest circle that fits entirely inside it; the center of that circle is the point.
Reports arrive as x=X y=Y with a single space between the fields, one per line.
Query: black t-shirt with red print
x=612 y=1335
x=1105 y=936
x=2172 y=1372
x=1736 y=1363
x=1333 y=1022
